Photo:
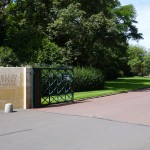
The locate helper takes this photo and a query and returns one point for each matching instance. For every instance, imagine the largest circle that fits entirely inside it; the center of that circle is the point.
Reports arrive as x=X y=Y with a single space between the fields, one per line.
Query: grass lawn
x=116 y=86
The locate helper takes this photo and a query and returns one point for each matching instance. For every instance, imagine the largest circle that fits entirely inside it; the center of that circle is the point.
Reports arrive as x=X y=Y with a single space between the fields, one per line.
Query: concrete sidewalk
x=35 y=130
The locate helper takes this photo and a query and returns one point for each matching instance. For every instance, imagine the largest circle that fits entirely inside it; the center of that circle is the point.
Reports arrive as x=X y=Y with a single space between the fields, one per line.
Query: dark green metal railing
x=53 y=86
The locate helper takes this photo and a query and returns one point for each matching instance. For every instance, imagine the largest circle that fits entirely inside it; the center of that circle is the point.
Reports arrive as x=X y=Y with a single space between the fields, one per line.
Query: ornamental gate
x=52 y=86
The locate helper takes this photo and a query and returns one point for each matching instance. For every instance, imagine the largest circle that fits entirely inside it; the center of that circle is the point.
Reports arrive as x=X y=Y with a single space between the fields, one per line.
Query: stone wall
x=16 y=87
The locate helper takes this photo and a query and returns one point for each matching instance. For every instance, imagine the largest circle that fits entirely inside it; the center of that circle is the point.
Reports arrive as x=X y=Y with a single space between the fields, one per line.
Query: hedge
x=88 y=79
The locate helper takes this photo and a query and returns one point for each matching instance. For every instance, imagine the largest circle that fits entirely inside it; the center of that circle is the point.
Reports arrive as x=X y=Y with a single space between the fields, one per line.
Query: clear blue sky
x=143 y=17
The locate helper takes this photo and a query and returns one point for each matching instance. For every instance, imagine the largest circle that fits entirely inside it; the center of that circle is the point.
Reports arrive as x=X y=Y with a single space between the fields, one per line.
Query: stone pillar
x=16 y=87
x=28 y=88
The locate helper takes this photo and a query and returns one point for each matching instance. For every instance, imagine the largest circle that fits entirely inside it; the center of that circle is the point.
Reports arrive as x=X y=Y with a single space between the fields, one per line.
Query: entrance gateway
x=52 y=86
x=26 y=88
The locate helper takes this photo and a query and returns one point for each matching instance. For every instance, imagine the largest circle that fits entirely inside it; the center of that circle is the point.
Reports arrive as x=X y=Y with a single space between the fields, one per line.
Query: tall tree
x=3 y=5
x=91 y=33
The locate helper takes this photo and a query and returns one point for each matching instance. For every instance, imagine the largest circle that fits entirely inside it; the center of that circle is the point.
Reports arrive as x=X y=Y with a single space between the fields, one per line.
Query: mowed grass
x=116 y=86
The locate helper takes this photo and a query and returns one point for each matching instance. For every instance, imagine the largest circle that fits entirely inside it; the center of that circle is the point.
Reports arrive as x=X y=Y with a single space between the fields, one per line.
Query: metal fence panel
x=53 y=86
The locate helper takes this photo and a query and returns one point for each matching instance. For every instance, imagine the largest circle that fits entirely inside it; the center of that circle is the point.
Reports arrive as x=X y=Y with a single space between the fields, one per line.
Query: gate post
x=37 y=88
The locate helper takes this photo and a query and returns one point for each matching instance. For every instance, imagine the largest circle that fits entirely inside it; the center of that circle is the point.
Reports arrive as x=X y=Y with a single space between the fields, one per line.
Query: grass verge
x=116 y=86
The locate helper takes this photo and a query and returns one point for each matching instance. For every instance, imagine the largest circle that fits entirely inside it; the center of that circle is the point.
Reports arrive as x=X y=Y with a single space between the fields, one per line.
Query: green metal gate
x=52 y=86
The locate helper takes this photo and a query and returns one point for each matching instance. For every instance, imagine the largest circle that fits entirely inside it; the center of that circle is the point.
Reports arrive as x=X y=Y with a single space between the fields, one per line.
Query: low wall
x=16 y=86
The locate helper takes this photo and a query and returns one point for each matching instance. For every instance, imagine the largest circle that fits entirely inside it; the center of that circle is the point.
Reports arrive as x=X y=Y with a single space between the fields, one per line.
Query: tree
x=50 y=53
x=21 y=35
x=8 y=57
x=3 y=4
x=136 y=56
x=126 y=20
x=146 y=64
x=85 y=33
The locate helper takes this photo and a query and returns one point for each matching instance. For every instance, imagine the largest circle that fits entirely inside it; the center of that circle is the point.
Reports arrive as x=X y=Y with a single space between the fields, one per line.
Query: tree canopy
x=136 y=56
x=73 y=32
x=139 y=60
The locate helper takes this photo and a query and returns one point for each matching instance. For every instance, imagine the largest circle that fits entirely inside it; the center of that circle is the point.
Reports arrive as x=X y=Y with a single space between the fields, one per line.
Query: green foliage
x=126 y=19
x=50 y=53
x=86 y=79
x=8 y=57
x=79 y=33
x=136 y=58
x=3 y=5
x=21 y=35
x=146 y=64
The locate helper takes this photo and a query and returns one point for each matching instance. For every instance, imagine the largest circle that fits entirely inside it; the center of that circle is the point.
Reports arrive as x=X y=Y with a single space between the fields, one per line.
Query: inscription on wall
x=9 y=79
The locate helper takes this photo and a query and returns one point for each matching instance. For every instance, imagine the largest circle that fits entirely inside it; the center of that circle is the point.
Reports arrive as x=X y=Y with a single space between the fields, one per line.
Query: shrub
x=88 y=79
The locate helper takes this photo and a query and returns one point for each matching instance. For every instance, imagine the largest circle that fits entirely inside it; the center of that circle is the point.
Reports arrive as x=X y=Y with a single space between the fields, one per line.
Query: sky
x=143 y=17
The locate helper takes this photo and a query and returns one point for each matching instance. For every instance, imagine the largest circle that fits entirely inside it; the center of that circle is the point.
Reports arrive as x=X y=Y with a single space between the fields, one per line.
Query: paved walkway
x=80 y=126
x=34 y=130
x=131 y=107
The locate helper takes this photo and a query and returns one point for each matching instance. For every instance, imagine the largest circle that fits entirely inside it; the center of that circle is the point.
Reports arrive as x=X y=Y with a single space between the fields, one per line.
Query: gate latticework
x=53 y=86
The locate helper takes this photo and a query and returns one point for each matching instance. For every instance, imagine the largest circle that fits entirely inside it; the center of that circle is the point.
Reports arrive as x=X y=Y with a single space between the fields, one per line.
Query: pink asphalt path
x=131 y=107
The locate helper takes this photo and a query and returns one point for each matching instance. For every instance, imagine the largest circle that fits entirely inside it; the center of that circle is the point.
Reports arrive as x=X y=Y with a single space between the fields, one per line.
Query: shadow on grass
x=128 y=84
